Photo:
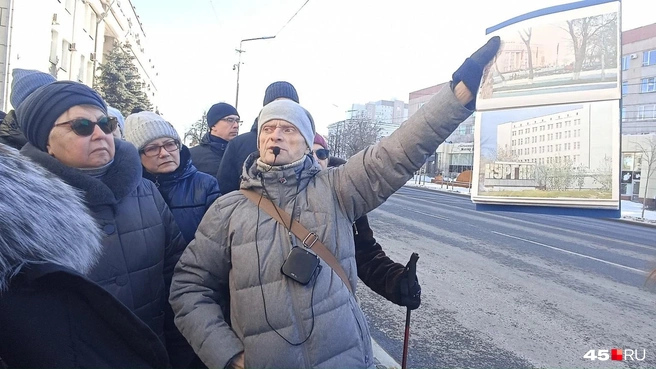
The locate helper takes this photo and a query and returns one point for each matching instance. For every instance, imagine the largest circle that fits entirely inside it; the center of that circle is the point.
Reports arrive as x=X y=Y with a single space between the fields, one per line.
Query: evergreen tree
x=120 y=83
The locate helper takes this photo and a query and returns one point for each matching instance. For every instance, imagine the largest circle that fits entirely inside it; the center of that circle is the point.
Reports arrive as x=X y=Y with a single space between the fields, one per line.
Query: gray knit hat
x=291 y=112
x=146 y=126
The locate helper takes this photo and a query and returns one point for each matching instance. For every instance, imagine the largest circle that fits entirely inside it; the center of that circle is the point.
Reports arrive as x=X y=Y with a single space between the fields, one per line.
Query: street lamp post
x=238 y=65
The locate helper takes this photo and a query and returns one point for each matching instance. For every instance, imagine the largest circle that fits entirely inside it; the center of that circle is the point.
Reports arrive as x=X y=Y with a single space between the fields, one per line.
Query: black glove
x=471 y=71
x=410 y=292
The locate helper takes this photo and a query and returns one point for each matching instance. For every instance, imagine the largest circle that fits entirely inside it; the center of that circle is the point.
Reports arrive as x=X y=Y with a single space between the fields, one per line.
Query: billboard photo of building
x=562 y=154
x=552 y=58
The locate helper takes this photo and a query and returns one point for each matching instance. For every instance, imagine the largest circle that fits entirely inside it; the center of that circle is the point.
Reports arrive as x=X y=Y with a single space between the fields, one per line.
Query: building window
x=66 y=55
x=625 y=88
x=649 y=58
x=625 y=62
x=69 y=5
x=648 y=84
x=54 y=43
x=90 y=75
x=623 y=110
x=646 y=112
x=82 y=72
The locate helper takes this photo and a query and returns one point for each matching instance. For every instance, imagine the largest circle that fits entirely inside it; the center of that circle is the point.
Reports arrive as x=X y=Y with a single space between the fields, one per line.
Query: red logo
x=616 y=354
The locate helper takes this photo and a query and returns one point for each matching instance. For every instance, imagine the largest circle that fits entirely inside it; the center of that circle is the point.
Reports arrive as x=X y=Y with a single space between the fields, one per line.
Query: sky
x=336 y=53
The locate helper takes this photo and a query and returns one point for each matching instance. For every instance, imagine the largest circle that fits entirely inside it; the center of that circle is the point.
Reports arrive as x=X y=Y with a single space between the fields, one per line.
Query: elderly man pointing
x=291 y=305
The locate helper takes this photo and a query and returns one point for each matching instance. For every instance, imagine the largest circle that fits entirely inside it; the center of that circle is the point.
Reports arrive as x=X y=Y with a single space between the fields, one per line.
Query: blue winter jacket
x=187 y=192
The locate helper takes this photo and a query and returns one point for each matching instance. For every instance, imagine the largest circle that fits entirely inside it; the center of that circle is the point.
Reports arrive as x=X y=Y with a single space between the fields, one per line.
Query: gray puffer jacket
x=239 y=249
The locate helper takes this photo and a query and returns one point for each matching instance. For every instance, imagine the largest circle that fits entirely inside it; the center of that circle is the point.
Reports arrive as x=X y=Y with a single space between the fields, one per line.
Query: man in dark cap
x=243 y=145
x=301 y=311
x=223 y=120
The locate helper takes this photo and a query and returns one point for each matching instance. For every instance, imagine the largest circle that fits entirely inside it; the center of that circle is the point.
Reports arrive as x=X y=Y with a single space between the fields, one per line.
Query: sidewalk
x=382 y=358
x=631 y=211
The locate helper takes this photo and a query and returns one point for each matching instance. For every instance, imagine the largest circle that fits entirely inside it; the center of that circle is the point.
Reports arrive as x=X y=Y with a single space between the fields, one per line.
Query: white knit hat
x=146 y=126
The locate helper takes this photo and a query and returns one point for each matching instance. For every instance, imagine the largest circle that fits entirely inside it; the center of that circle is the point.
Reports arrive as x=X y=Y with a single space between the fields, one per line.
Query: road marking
x=529 y=222
x=426 y=214
x=572 y=253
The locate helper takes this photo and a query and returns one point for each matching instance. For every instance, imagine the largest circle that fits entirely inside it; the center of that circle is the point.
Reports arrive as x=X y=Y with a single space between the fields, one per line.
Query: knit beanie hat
x=218 y=112
x=319 y=140
x=113 y=112
x=38 y=113
x=146 y=126
x=280 y=89
x=26 y=81
x=291 y=112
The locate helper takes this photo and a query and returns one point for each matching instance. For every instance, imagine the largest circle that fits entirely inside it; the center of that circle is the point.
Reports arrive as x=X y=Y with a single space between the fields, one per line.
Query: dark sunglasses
x=84 y=127
x=322 y=154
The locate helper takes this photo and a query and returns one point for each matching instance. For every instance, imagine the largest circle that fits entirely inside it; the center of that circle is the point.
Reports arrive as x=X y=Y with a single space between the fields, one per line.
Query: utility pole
x=237 y=66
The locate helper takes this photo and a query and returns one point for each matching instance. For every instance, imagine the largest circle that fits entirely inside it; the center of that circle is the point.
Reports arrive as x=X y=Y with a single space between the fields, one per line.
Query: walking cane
x=412 y=274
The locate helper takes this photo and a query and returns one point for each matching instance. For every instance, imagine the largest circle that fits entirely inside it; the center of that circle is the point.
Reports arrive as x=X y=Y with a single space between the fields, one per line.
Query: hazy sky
x=335 y=52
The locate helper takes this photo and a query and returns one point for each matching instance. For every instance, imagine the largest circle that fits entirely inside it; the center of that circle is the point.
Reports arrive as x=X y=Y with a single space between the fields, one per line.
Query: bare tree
x=560 y=175
x=581 y=172
x=602 y=175
x=582 y=31
x=525 y=35
x=197 y=130
x=648 y=150
x=356 y=134
x=603 y=45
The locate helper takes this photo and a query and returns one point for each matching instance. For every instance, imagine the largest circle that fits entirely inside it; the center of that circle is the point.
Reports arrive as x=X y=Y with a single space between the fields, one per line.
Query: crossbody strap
x=309 y=239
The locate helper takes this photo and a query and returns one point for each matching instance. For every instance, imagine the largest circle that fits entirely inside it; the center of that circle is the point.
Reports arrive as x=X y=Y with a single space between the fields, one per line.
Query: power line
x=290 y=19
x=214 y=11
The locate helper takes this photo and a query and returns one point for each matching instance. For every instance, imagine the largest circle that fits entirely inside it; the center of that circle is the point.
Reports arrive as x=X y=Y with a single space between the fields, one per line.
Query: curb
x=382 y=359
x=634 y=222
x=620 y=220
x=456 y=193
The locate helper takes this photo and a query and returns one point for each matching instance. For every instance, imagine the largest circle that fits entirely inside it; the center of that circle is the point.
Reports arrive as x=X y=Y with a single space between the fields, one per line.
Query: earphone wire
x=259 y=267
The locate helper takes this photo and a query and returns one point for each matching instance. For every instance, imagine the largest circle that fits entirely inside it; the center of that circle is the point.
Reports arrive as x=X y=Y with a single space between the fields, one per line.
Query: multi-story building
x=551 y=139
x=455 y=154
x=639 y=80
x=388 y=114
x=68 y=38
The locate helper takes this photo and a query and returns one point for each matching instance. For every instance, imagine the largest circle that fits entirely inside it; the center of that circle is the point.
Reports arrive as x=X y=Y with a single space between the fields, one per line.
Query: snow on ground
x=630 y=210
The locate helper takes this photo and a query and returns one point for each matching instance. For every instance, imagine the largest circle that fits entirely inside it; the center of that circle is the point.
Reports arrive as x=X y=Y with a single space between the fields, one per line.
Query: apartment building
x=639 y=80
x=68 y=39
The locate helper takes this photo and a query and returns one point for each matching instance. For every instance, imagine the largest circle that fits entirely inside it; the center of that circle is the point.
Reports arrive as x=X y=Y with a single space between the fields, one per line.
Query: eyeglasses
x=232 y=120
x=85 y=127
x=322 y=154
x=153 y=150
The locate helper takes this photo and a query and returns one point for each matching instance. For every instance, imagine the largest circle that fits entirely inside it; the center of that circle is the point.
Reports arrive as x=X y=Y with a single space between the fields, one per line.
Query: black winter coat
x=10 y=133
x=208 y=153
x=142 y=242
x=235 y=155
x=188 y=193
x=53 y=317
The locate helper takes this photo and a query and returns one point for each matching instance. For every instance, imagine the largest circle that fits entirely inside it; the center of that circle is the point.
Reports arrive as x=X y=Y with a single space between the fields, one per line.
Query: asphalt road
x=510 y=290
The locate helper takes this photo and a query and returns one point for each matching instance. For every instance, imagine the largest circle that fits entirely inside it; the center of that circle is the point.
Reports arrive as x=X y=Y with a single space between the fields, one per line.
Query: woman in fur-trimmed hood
x=52 y=315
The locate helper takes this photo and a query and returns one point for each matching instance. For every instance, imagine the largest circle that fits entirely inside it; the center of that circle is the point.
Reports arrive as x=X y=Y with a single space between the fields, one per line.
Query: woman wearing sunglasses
x=70 y=134
x=167 y=163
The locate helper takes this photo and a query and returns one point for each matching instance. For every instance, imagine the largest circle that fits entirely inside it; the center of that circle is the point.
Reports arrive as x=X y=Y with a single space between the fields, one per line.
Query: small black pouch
x=300 y=265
